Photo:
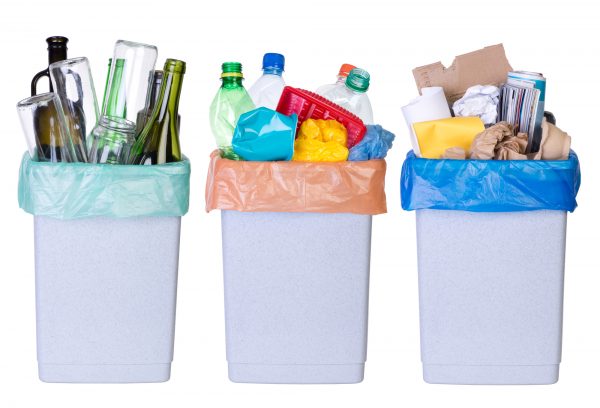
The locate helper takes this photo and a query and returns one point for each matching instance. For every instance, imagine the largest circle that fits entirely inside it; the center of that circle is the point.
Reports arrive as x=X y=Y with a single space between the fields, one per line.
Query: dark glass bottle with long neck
x=159 y=141
x=57 y=51
x=154 y=83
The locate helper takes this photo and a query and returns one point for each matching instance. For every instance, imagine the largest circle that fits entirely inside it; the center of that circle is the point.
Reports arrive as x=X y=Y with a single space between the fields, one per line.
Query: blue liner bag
x=489 y=185
x=80 y=190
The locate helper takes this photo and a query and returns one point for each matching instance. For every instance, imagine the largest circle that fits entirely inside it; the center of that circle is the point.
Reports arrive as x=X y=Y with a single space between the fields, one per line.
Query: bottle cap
x=231 y=69
x=358 y=80
x=345 y=70
x=273 y=61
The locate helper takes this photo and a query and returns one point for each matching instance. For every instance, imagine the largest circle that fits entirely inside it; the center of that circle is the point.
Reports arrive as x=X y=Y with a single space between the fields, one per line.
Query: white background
x=388 y=39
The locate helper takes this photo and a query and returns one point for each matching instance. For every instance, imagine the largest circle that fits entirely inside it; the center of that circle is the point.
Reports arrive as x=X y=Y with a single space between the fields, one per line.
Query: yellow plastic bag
x=321 y=141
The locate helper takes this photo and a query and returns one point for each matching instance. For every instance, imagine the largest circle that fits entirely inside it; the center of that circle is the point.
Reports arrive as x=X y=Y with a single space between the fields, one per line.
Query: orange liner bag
x=356 y=187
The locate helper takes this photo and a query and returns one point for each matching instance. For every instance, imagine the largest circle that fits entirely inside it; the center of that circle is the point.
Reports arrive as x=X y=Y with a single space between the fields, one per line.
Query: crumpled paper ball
x=480 y=101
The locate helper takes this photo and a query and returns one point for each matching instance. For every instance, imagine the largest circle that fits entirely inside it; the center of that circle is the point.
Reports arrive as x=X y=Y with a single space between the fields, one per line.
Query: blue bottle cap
x=273 y=62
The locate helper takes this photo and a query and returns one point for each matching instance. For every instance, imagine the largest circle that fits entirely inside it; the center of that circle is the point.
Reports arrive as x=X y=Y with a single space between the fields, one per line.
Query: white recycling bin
x=296 y=263
x=105 y=298
x=296 y=296
x=106 y=251
x=491 y=295
x=491 y=238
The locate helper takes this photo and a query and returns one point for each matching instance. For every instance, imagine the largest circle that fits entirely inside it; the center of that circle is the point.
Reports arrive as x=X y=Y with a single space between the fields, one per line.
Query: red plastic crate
x=309 y=105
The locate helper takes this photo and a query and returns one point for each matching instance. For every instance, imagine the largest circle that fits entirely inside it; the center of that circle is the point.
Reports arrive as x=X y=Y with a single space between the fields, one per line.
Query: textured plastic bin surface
x=105 y=298
x=296 y=296
x=491 y=296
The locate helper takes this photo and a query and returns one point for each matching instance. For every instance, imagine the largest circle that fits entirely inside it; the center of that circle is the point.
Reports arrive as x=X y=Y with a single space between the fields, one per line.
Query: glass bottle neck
x=57 y=49
x=232 y=82
x=168 y=98
x=114 y=100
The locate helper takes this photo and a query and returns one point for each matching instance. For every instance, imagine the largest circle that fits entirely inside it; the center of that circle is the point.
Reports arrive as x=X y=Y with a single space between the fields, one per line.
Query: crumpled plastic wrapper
x=290 y=186
x=455 y=153
x=512 y=148
x=480 y=101
x=375 y=144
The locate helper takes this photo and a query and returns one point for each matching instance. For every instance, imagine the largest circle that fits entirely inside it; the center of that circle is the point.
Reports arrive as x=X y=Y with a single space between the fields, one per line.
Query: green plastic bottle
x=231 y=101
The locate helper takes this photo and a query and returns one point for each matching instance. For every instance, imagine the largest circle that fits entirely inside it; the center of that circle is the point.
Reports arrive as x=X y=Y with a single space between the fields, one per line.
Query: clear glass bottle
x=73 y=83
x=353 y=95
x=128 y=79
x=267 y=90
x=341 y=79
x=112 y=139
x=229 y=103
x=158 y=142
x=45 y=130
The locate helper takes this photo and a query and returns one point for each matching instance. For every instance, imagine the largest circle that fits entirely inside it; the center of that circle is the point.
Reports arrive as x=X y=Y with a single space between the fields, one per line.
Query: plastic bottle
x=267 y=90
x=353 y=95
x=230 y=102
x=341 y=79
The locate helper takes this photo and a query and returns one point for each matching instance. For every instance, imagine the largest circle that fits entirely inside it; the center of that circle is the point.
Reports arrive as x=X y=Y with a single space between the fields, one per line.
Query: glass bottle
x=128 y=79
x=112 y=139
x=113 y=103
x=231 y=101
x=72 y=82
x=154 y=83
x=45 y=129
x=57 y=51
x=158 y=142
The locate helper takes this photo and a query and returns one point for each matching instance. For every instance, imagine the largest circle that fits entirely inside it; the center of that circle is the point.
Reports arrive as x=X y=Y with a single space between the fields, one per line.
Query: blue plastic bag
x=81 y=190
x=374 y=145
x=489 y=185
x=265 y=135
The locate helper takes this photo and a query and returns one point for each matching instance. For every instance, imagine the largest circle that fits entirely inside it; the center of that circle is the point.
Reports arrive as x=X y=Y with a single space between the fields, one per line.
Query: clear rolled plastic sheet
x=80 y=190
x=292 y=186
x=490 y=185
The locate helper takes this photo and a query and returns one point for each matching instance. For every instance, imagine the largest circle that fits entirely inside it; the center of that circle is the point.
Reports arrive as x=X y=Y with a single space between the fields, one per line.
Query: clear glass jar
x=112 y=140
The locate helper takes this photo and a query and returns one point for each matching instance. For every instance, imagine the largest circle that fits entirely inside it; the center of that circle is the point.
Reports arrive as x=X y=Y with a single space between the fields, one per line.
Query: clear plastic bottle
x=353 y=95
x=341 y=79
x=231 y=101
x=267 y=90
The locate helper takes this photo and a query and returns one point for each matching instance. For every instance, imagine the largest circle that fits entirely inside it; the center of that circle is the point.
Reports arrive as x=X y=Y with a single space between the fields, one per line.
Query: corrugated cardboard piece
x=487 y=66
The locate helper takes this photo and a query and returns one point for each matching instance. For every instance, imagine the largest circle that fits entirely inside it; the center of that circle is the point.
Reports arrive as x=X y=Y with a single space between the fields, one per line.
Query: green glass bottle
x=231 y=101
x=158 y=142
x=114 y=98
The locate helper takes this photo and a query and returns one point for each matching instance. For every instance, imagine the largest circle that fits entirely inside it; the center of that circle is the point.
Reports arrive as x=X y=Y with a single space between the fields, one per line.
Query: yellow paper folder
x=435 y=136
